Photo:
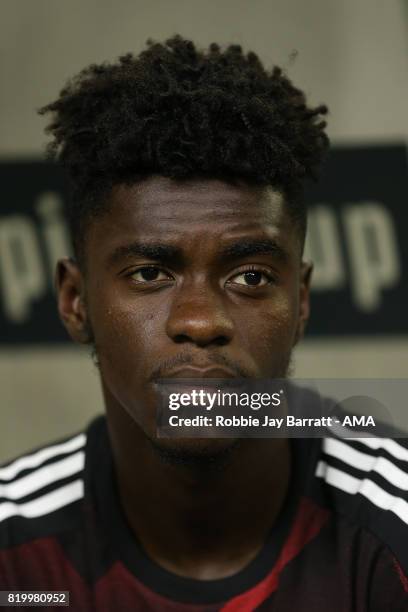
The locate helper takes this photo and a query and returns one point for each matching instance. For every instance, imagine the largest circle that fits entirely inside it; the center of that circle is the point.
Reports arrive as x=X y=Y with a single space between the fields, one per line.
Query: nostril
x=215 y=341
x=218 y=340
x=199 y=323
x=181 y=338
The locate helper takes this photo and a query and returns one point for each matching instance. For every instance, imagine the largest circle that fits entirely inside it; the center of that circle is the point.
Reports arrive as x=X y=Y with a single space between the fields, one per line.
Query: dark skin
x=181 y=277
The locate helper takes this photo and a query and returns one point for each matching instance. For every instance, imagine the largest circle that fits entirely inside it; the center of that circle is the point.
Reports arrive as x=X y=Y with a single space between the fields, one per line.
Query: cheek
x=121 y=332
x=273 y=327
x=126 y=348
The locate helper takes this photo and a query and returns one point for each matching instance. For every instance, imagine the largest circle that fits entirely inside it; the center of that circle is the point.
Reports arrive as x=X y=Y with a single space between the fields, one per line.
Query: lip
x=212 y=378
x=194 y=372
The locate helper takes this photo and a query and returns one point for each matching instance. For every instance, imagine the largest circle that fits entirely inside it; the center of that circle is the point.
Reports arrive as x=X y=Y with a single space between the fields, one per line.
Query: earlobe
x=304 y=299
x=69 y=285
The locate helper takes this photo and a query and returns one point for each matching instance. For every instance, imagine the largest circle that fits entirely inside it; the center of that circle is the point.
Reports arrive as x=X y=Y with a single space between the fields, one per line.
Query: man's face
x=188 y=276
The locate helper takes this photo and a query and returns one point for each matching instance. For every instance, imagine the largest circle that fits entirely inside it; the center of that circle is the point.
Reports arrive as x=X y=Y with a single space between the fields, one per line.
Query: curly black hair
x=183 y=113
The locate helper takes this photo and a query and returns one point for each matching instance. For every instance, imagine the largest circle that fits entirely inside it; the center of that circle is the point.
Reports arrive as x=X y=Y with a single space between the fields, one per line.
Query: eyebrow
x=160 y=252
x=169 y=253
x=248 y=247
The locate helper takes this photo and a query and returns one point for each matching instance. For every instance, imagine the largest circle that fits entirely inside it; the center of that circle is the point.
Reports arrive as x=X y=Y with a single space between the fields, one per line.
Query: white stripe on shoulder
x=369 y=489
x=43 y=476
x=35 y=459
x=46 y=504
x=396 y=450
x=362 y=461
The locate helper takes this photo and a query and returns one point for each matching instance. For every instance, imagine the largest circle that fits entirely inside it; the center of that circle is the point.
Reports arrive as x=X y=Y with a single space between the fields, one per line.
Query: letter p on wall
x=373 y=250
x=21 y=269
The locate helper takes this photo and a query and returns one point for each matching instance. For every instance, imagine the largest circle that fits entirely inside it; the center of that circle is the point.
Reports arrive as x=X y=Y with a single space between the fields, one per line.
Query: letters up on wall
x=356 y=238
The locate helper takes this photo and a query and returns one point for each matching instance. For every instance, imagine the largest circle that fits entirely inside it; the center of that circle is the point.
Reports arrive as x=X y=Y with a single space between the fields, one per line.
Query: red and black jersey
x=340 y=542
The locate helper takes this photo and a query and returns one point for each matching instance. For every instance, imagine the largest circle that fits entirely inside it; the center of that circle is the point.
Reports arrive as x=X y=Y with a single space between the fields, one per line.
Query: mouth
x=187 y=379
x=200 y=373
x=211 y=378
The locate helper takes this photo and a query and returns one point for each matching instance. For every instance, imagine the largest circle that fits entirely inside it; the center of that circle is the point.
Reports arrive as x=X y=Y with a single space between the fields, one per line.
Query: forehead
x=170 y=199
x=185 y=212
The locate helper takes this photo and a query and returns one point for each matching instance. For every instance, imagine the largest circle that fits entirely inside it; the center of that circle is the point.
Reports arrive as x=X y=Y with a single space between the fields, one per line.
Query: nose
x=198 y=315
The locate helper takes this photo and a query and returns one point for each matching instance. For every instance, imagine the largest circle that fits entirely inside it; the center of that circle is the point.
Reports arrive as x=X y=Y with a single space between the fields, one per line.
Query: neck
x=205 y=518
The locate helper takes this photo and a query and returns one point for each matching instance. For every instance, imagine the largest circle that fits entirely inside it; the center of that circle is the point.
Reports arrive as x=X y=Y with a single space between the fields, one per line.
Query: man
x=187 y=170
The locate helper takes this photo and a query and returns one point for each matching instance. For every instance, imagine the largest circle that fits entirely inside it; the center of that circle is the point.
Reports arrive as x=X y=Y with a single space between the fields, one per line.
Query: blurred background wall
x=351 y=54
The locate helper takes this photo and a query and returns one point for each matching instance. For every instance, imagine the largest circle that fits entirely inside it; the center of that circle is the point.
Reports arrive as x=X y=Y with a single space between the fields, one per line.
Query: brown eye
x=251 y=278
x=149 y=274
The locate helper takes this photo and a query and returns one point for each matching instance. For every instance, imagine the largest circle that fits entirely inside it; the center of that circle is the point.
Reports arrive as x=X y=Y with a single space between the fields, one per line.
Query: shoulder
x=37 y=486
x=366 y=481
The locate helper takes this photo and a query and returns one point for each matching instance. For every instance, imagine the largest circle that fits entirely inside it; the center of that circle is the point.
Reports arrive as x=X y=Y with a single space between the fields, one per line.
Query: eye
x=149 y=274
x=252 y=278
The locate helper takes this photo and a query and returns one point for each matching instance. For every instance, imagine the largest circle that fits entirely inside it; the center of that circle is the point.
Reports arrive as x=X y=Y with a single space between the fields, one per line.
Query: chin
x=196 y=452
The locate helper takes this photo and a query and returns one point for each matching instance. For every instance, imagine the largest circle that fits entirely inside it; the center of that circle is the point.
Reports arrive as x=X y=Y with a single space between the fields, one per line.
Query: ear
x=306 y=269
x=69 y=285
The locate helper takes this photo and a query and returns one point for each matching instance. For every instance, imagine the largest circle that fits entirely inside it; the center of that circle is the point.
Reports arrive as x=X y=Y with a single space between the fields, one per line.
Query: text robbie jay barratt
x=250 y=421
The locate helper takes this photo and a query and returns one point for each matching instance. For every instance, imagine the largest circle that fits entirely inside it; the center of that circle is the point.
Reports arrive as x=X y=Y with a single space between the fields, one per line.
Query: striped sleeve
x=368 y=478
x=43 y=481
